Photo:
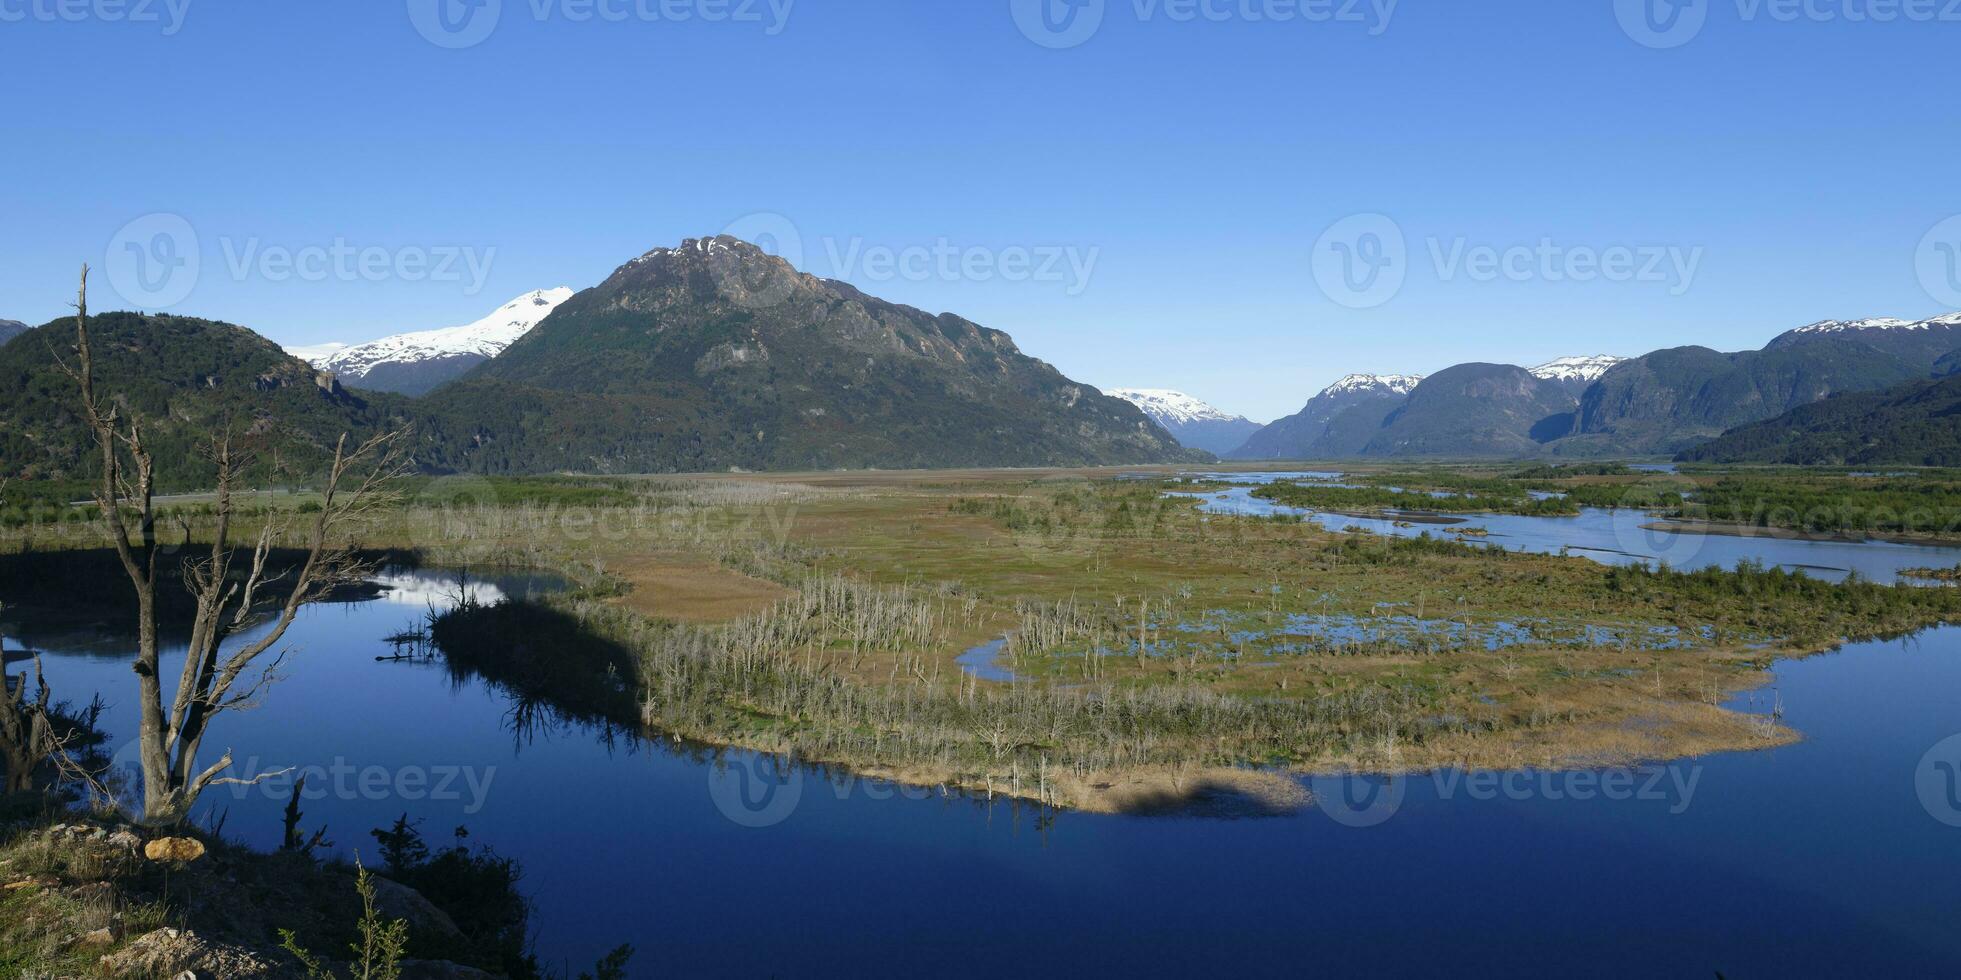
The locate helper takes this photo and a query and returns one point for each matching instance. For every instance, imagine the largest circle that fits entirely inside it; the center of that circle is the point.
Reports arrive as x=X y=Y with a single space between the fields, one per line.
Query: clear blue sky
x=1200 y=160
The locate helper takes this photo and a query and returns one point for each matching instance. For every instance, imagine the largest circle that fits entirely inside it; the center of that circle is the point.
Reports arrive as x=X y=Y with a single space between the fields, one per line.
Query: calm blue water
x=1618 y=537
x=1813 y=860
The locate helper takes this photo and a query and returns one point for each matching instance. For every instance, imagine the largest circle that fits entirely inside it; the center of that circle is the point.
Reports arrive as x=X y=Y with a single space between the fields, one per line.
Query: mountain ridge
x=1193 y=422
x=417 y=362
x=728 y=357
x=1914 y=424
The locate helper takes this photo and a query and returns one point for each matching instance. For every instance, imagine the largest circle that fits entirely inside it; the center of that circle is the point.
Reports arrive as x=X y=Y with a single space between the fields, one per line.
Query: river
x=1834 y=856
x=1611 y=536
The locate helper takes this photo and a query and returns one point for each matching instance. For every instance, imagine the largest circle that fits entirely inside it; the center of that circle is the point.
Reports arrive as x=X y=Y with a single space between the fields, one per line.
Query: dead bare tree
x=232 y=588
x=295 y=839
x=27 y=737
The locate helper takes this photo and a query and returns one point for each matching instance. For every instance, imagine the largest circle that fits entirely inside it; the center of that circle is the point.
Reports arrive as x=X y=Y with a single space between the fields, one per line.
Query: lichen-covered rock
x=179 y=850
x=175 y=952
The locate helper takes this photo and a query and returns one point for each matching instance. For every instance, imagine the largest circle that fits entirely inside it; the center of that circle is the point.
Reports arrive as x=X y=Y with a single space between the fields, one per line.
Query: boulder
x=180 y=850
x=180 y=952
x=398 y=901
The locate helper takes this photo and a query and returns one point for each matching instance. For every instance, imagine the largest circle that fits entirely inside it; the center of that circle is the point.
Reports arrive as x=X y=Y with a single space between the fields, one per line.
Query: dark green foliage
x=1564 y=470
x=1800 y=610
x=185 y=379
x=1916 y=424
x=1498 y=498
x=476 y=887
x=716 y=355
x=1672 y=398
x=552 y=667
x=401 y=845
x=1476 y=410
x=1902 y=504
x=612 y=966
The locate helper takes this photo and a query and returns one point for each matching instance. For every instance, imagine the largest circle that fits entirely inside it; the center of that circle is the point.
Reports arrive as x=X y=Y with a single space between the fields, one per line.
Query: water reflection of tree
x=530 y=718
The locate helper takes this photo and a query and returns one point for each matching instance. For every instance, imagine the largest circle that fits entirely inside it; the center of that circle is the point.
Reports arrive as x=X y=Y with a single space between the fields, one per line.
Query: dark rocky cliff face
x=716 y=355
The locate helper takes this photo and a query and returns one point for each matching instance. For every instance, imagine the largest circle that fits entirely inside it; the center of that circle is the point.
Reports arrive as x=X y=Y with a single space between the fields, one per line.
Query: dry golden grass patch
x=692 y=591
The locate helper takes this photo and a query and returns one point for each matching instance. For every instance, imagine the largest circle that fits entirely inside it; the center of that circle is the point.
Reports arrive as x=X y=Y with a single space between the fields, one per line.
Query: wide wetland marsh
x=1020 y=703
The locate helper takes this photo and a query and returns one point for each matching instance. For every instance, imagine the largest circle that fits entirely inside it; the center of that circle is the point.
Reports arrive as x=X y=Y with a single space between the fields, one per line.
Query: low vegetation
x=1152 y=644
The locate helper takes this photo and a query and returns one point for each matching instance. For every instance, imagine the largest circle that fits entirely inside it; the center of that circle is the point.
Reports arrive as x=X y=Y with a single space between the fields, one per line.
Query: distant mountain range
x=1601 y=405
x=1671 y=399
x=710 y=356
x=416 y=363
x=1476 y=410
x=1192 y=422
x=1338 y=422
x=716 y=356
x=9 y=329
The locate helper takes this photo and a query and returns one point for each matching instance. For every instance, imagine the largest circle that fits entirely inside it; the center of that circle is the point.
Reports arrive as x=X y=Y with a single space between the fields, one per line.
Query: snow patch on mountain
x=1586 y=368
x=1871 y=323
x=1879 y=323
x=1169 y=407
x=1399 y=384
x=487 y=337
x=316 y=353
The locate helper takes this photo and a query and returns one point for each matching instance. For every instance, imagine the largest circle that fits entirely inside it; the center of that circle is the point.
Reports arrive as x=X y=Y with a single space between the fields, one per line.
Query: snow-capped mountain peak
x=1586 y=368
x=1192 y=422
x=1870 y=323
x=316 y=353
x=1168 y=407
x=485 y=338
x=1399 y=384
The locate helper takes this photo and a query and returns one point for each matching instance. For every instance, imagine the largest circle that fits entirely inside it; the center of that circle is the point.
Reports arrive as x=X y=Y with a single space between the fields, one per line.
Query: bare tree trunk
x=170 y=735
x=26 y=738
